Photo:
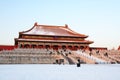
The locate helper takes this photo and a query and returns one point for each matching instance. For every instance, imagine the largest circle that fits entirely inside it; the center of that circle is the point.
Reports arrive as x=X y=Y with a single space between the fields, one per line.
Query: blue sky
x=100 y=19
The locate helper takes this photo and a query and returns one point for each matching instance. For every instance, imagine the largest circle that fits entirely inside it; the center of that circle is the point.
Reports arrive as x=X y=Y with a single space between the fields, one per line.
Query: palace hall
x=53 y=44
x=50 y=36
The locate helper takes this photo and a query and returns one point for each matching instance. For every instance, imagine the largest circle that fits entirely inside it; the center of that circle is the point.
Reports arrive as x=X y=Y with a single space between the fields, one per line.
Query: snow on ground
x=60 y=72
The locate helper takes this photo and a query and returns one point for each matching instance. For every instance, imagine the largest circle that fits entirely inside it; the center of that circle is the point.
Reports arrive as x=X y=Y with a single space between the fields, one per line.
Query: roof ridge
x=50 y=26
x=36 y=24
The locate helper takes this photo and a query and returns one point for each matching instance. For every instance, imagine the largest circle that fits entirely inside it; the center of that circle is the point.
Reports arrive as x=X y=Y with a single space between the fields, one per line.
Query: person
x=57 y=62
x=78 y=64
x=106 y=54
x=97 y=52
x=90 y=53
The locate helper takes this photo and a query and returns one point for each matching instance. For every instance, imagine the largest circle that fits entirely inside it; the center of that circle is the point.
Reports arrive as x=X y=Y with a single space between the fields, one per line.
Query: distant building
x=98 y=48
x=48 y=36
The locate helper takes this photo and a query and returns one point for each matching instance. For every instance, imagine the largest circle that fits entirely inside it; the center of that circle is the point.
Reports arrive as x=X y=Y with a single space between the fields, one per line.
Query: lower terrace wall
x=16 y=58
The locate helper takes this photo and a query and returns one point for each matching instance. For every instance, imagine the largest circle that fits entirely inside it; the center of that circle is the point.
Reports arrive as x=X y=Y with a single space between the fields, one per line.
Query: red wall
x=119 y=48
x=7 y=47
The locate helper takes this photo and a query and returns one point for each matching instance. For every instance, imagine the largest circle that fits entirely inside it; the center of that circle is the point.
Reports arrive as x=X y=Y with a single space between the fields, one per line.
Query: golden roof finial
x=66 y=25
x=35 y=24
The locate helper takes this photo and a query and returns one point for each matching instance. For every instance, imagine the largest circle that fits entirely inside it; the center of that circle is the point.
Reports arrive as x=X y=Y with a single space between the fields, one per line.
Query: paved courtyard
x=60 y=72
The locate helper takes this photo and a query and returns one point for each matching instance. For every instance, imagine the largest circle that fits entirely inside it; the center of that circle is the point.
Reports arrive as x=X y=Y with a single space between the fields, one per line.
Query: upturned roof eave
x=64 y=41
